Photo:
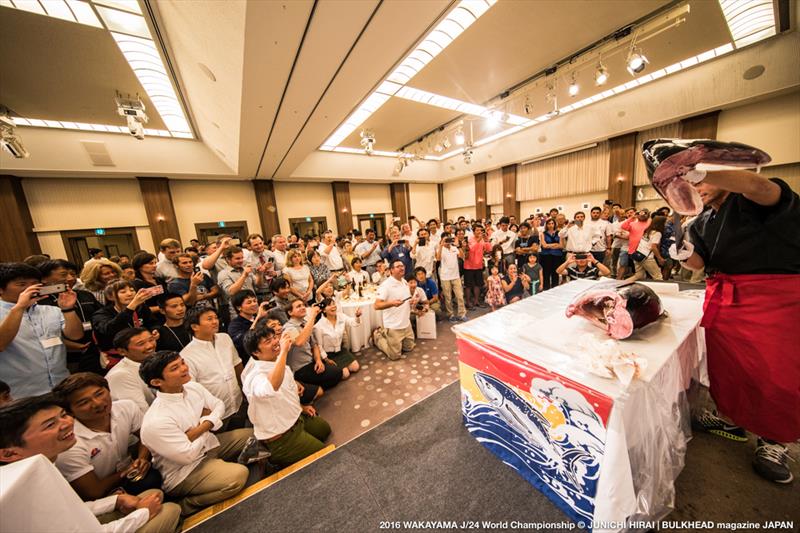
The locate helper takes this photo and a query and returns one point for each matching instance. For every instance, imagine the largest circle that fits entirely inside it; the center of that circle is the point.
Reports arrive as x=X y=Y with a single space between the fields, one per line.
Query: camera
x=53 y=289
x=448 y=240
x=196 y=269
x=580 y=256
x=421 y=241
x=420 y=307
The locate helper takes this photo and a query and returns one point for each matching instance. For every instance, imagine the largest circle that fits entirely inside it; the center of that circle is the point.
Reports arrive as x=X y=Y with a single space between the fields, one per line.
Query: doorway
x=208 y=232
x=113 y=242
x=311 y=226
x=376 y=221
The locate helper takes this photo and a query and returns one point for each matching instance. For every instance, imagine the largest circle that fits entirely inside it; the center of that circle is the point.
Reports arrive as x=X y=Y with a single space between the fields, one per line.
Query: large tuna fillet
x=669 y=160
x=617 y=307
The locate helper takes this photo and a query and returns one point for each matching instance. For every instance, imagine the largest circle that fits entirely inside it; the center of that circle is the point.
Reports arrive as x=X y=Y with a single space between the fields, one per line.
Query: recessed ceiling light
x=753 y=72
x=215 y=125
x=207 y=72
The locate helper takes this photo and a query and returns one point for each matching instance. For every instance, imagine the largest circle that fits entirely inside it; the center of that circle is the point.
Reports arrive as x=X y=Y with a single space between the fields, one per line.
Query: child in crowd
x=533 y=270
x=289 y=430
x=495 y=296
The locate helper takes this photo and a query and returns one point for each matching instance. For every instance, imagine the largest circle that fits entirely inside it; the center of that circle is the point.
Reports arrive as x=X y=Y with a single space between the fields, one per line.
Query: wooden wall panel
x=510 y=203
x=341 y=203
x=700 y=126
x=157 y=201
x=401 y=206
x=17 y=239
x=482 y=209
x=267 y=207
x=623 y=152
x=440 y=189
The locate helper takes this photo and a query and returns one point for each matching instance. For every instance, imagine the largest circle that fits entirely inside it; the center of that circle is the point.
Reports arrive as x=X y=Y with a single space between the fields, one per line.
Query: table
x=600 y=450
x=360 y=336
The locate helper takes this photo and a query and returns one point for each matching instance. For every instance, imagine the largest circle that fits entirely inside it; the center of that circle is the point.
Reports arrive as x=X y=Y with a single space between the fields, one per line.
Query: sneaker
x=462 y=318
x=453 y=319
x=711 y=423
x=252 y=452
x=771 y=462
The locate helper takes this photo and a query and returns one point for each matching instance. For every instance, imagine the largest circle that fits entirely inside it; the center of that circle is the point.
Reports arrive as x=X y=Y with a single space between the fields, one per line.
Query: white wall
x=459 y=193
x=424 y=200
x=213 y=201
x=299 y=200
x=466 y=212
x=368 y=198
x=571 y=204
x=772 y=125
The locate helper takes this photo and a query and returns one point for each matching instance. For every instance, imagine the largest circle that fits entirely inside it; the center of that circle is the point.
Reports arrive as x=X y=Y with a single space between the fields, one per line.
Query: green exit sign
x=99 y=231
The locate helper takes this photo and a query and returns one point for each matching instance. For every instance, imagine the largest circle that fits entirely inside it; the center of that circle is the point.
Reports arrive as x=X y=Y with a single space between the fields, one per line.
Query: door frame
x=78 y=233
x=381 y=217
x=304 y=220
x=199 y=226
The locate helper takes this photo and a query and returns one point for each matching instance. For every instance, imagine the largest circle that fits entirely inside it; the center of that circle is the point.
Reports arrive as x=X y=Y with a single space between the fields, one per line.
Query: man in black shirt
x=527 y=244
x=245 y=302
x=747 y=240
x=582 y=266
x=173 y=335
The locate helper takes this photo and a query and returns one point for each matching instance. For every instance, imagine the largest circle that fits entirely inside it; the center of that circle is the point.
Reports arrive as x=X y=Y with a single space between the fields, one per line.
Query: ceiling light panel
x=59 y=9
x=105 y=128
x=125 y=5
x=123 y=22
x=749 y=21
x=84 y=14
x=445 y=102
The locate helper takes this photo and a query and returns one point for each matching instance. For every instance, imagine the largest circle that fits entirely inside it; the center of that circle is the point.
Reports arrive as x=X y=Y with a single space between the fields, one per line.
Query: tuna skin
x=619 y=309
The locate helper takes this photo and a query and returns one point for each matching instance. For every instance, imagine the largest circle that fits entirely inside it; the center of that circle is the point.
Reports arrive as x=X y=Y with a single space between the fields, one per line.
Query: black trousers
x=327 y=379
x=549 y=265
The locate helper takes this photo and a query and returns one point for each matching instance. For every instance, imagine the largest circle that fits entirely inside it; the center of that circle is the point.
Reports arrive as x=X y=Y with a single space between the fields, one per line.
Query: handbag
x=643 y=251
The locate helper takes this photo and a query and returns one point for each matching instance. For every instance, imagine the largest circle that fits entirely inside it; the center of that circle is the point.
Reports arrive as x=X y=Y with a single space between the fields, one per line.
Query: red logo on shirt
x=95 y=451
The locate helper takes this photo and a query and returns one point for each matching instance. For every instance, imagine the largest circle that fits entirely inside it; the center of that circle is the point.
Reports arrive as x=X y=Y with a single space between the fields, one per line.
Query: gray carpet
x=420 y=465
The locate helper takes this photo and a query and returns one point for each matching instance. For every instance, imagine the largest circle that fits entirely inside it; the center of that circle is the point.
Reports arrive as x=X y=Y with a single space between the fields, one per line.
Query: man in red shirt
x=635 y=226
x=473 y=266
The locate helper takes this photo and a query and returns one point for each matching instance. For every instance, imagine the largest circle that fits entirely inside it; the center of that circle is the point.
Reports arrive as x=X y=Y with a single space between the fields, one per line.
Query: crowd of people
x=159 y=377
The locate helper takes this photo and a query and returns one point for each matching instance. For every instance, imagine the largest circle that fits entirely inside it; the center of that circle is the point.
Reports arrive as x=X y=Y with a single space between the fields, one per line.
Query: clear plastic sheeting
x=529 y=397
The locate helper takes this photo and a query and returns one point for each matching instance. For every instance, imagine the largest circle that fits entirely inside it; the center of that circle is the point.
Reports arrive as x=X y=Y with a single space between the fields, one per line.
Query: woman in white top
x=301 y=283
x=650 y=246
x=357 y=275
x=380 y=274
x=328 y=333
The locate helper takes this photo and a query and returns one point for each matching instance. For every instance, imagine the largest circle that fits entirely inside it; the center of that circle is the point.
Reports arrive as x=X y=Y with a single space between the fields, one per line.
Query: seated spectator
x=533 y=270
x=327 y=290
x=329 y=332
x=301 y=283
x=173 y=335
x=97 y=275
x=281 y=299
x=99 y=463
x=348 y=254
x=135 y=345
x=514 y=285
x=356 y=275
x=305 y=357
x=237 y=276
x=166 y=269
x=582 y=266
x=126 y=308
x=38 y=425
x=33 y=358
x=247 y=308
x=421 y=307
x=319 y=271
x=495 y=295
x=213 y=360
x=381 y=273
x=84 y=351
x=289 y=430
x=177 y=430
x=396 y=335
x=198 y=289
x=431 y=290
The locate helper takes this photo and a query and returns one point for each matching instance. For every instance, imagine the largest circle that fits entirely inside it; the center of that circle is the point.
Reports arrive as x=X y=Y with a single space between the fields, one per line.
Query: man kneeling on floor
x=39 y=425
x=290 y=431
x=177 y=430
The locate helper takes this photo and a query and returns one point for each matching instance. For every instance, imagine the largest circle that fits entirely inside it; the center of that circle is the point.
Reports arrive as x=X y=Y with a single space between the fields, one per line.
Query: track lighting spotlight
x=459 y=136
x=527 y=106
x=467 y=155
x=636 y=61
x=601 y=74
x=367 y=141
x=446 y=143
x=573 y=87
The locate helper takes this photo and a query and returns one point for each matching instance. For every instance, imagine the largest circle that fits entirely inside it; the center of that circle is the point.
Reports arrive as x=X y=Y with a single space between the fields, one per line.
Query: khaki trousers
x=165 y=521
x=393 y=342
x=448 y=288
x=215 y=479
x=650 y=266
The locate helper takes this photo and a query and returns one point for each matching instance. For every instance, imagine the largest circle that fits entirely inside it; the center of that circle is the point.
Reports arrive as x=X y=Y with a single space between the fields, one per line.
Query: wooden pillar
x=482 y=209
x=510 y=203
x=341 y=203
x=623 y=154
x=17 y=239
x=701 y=126
x=157 y=201
x=440 y=190
x=267 y=207
x=401 y=206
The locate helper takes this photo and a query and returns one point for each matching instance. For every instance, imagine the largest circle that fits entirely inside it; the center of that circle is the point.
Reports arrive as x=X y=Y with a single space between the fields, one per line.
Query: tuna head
x=618 y=309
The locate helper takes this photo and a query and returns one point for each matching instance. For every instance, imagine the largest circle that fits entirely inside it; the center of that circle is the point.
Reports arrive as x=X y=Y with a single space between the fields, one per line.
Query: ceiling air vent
x=98 y=154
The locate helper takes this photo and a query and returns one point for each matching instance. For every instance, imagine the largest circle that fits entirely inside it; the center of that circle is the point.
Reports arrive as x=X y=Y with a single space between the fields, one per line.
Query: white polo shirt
x=98 y=450
x=599 y=229
x=271 y=411
x=164 y=430
x=499 y=236
x=211 y=364
x=395 y=317
x=332 y=260
x=328 y=336
x=579 y=238
x=448 y=270
x=126 y=384
x=425 y=257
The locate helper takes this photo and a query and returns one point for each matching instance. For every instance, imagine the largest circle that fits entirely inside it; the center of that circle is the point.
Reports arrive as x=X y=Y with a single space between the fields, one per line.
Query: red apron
x=752 y=324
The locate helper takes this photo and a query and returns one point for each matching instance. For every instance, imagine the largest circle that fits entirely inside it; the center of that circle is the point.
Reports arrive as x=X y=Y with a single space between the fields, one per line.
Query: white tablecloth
x=360 y=336
x=647 y=429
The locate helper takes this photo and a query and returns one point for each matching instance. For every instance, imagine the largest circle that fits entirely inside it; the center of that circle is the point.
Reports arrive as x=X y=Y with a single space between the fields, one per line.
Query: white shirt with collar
x=395 y=317
x=280 y=260
x=332 y=260
x=271 y=411
x=329 y=336
x=425 y=256
x=579 y=238
x=167 y=269
x=164 y=431
x=448 y=269
x=98 y=450
x=211 y=364
x=126 y=384
x=599 y=230
x=365 y=247
x=499 y=236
